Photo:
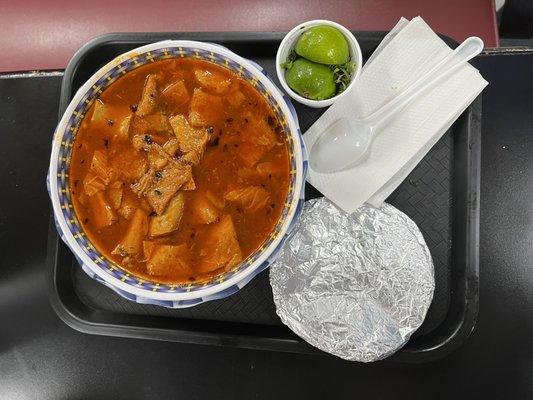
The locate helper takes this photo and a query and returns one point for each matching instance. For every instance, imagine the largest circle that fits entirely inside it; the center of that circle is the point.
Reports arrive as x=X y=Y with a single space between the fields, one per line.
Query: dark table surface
x=42 y=358
x=40 y=34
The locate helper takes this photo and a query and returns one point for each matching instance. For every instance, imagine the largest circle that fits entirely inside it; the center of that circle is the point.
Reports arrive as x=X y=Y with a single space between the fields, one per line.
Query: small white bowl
x=287 y=44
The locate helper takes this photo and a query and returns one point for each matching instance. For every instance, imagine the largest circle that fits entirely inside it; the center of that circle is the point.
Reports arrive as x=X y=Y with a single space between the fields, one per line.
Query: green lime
x=311 y=80
x=323 y=44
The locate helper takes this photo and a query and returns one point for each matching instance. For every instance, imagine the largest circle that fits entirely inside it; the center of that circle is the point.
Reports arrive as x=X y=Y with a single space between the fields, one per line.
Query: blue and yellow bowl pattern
x=107 y=267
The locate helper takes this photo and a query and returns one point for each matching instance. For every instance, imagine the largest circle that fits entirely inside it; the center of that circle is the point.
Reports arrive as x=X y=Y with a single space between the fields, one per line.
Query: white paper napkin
x=407 y=52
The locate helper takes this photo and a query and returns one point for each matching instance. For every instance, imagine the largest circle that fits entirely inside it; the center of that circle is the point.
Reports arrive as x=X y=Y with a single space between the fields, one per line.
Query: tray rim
x=456 y=335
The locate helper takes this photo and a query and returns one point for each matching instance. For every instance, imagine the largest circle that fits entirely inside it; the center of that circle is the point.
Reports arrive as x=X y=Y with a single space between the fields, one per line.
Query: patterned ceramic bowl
x=94 y=263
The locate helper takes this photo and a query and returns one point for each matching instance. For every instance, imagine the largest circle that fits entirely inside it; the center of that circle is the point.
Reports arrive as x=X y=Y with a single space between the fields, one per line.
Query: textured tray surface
x=426 y=196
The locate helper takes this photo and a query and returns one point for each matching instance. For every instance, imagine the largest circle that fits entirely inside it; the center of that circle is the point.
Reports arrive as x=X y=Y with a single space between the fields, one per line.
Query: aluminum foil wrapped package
x=354 y=285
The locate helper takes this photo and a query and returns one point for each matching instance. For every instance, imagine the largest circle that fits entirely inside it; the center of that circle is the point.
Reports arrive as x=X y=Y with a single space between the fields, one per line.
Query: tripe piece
x=148 y=97
x=250 y=198
x=132 y=242
x=212 y=81
x=170 y=220
x=203 y=210
x=224 y=250
x=159 y=186
x=176 y=94
x=102 y=214
x=192 y=141
x=115 y=192
x=205 y=108
x=168 y=260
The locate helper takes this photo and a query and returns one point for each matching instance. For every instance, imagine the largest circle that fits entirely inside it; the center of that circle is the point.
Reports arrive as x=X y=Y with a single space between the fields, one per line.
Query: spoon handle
x=467 y=50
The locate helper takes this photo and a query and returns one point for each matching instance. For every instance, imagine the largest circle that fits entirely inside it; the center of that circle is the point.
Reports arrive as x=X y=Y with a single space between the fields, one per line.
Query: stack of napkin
x=406 y=53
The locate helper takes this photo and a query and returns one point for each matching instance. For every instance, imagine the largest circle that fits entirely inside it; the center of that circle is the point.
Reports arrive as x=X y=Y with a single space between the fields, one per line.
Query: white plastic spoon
x=345 y=142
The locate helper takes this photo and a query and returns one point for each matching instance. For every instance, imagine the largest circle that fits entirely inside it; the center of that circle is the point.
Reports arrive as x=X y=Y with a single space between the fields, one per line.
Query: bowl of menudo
x=176 y=173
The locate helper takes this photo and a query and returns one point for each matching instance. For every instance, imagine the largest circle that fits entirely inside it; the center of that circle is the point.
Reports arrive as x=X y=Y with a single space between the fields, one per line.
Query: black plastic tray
x=441 y=195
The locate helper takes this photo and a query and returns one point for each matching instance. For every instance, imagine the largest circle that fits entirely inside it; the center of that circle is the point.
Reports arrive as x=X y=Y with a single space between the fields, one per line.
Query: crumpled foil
x=354 y=285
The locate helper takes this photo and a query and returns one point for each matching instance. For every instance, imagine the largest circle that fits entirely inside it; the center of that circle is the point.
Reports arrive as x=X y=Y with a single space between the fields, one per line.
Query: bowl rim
x=263 y=256
x=288 y=41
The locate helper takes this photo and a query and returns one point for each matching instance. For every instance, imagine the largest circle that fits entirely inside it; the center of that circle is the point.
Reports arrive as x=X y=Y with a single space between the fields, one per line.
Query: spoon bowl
x=343 y=140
